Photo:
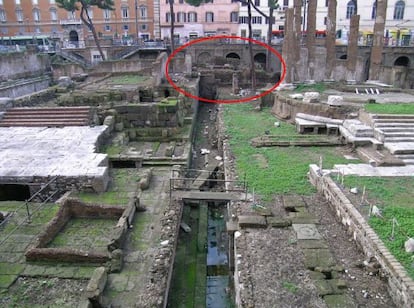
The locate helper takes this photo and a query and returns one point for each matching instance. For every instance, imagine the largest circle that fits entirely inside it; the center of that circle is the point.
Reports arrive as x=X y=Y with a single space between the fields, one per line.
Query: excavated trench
x=201 y=275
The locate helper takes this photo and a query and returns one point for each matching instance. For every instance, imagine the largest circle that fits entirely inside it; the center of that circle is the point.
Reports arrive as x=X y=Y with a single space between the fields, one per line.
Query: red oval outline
x=230 y=101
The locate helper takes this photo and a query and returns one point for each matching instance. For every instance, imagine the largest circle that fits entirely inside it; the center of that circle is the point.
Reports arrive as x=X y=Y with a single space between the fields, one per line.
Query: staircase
x=396 y=131
x=73 y=57
x=47 y=117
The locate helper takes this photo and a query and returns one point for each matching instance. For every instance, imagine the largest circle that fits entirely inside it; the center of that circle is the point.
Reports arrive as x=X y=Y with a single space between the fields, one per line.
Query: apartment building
x=214 y=17
x=130 y=19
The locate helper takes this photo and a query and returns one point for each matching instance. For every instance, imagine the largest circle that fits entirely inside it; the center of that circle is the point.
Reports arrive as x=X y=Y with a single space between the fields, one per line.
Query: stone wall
x=36 y=98
x=124 y=66
x=152 y=114
x=71 y=208
x=23 y=65
x=286 y=108
x=401 y=286
x=23 y=87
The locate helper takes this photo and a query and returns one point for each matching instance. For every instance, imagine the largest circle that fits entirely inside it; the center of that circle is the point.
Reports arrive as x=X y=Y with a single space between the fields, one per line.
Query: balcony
x=65 y=22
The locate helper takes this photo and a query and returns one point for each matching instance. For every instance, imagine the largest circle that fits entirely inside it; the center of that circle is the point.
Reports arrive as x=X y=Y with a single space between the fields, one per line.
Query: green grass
x=287 y=166
x=395 y=197
x=123 y=182
x=290 y=286
x=127 y=79
x=395 y=191
x=383 y=227
x=317 y=87
x=390 y=108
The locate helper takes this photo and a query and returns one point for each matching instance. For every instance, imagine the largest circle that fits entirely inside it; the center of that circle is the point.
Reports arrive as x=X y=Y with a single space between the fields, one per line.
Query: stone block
x=335 y=100
x=311 y=97
x=306 y=232
x=252 y=221
x=276 y=222
x=116 y=260
x=97 y=284
x=318 y=258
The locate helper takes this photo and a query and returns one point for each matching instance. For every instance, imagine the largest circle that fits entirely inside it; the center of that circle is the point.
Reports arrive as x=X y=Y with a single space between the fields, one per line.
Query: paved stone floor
x=127 y=288
x=40 y=151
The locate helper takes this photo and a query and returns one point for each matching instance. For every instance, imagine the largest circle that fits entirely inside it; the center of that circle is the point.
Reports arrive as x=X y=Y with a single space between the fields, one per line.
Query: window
x=36 y=15
x=243 y=20
x=35 y=2
x=209 y=17
x=192 y=17
x=143 y=12
x=71 y=15
x=124 y=12
x=4 y=30
x=168 y=17
x=52 y=1
x=53 y=14
x=181 y=1
x=125 y=27
x=374 y=10
x=234 y=16
x=325 y=20
x=326 y=3
x=3 y=15
x=1 y=2
x=37 y=30
x=399 y=10
x=144 y=27
x=285 y=4
x=17 y=2
x=350 y=9
x=168 y=1
x=181 y=17
x=19 y=15
x=106 y=14
x=107 y=28
x=90 y=12
x=256 y=19
x=257 y=2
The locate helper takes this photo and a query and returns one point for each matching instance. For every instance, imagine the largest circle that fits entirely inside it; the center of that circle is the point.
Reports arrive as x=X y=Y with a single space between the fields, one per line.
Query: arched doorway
x=204 y=58
x=402 y=61
x=401 y=73
x=74 y=38
x=260 y=58
x=233 y=58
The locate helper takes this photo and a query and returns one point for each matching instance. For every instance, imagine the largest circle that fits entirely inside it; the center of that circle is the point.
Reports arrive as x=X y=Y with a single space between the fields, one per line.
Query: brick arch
x=402 y=61
x=204 y=58
x=260 y=58
x=233 y=55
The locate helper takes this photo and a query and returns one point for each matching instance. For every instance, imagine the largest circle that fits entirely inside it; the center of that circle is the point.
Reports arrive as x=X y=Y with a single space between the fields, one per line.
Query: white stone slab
x=306 y=232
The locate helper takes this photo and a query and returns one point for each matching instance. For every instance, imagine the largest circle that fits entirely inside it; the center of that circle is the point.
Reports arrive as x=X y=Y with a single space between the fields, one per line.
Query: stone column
x=288 y=43
x=235 y=84
x=330 y=39
x=378 y=43
x=297 y=32
x=352 y=52
x=310 y=38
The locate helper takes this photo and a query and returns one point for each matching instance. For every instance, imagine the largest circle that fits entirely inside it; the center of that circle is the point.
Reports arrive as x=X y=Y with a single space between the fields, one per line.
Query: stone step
x=394 y=125
x=405 y=156
x=49 y=109
x=400 y=147
x=46 y=116
x=408 y=161
x=392 y=116
x=377 y=121
x=387 y=130
x=398 y=139
x=43 y=123
x=63 y=120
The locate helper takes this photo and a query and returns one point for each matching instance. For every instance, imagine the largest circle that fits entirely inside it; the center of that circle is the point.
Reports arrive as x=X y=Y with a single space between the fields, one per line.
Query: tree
x=83 y=5
x=172 y=20
x=273 y=5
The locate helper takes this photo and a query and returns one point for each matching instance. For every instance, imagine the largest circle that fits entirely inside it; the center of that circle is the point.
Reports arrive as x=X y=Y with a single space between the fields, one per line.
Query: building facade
x=130 y=19
x=216 y=17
